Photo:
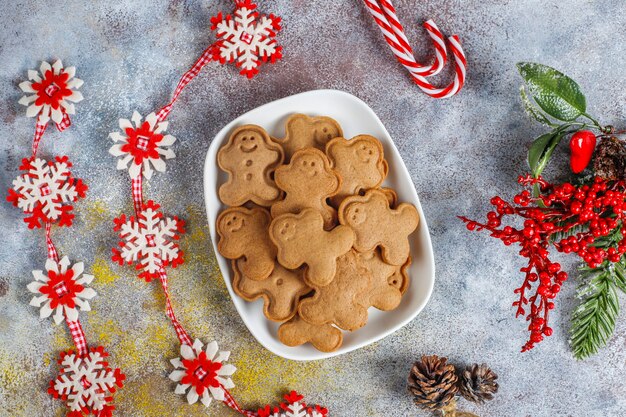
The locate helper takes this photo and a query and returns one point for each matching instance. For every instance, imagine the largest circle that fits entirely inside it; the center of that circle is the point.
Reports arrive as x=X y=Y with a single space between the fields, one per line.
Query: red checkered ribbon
x=40 y=128
x=180 y=331
x=52 y=251
x=78 y=335
x=384 y=14
x=230 y=401
x=137 y=189
x=205 y=58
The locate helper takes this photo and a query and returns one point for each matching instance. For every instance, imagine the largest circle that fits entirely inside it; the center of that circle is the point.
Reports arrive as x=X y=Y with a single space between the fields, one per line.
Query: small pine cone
x=433 y=382
x=610 y=159
x=478 y=383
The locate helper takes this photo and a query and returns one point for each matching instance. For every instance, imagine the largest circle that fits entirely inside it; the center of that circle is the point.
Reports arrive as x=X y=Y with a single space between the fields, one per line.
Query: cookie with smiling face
x=376 y=224
x=249 y=157
x=302 y=131
x=308 y=180
x=281 y=291
x=243 y=236
x=360 y=162
x=301 y=239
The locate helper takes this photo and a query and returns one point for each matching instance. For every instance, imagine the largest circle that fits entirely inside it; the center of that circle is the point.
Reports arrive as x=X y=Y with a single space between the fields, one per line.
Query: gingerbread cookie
x=391 y=195
x=302 y=131
x=249 y=158
x=308 y=180
x=376 y=224
x=400 y=278
x=243 y=234
x=360 y=162
x=342 y=301
x=301 y=239
x=384 y=292
x=296 y=332
x=281 y=291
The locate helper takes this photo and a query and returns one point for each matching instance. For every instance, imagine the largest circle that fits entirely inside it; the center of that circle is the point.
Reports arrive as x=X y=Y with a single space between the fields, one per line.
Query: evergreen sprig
x=593 y=321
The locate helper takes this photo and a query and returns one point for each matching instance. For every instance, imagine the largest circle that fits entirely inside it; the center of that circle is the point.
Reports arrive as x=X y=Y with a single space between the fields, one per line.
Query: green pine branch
x=593 y=322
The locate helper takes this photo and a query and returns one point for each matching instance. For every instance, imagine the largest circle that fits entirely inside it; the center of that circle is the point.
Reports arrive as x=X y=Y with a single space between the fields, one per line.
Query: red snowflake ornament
x=245 y=38
x=148 y=241
x=45 y=191
x=293 y=406
x=61 y=290
x=87 y=383
x=51 y=92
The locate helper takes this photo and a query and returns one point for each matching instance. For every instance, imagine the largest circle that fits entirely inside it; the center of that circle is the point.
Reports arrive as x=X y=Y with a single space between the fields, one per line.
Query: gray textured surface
x=459 y=152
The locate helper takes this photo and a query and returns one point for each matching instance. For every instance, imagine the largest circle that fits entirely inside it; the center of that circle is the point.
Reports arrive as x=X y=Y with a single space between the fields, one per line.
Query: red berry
x=582 y=145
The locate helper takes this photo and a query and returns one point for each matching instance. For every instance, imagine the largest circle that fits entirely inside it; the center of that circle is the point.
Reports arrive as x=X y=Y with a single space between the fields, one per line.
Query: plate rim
x=210 y=163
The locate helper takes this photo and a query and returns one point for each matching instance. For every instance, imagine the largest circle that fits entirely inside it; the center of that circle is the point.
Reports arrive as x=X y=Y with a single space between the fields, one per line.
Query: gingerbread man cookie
x=302 y=131
x=308 y=180
x=243 y=234
x=376 y=224
x=342 y=302
x=296 y=332
x=281 y=291
x=301 y=239
x=384 y=292
x=249 y=158
x=360 y=163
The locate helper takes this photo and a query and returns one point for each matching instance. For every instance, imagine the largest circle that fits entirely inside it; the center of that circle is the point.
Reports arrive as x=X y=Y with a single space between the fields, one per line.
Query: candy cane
x=384 y=15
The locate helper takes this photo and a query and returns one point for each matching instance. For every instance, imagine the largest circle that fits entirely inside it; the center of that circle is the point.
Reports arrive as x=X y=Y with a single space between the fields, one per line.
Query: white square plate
x=355 y=117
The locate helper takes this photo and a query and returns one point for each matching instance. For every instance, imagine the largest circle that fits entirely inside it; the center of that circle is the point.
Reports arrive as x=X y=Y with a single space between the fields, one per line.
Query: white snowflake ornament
x=246 y=39
x=45 y=191
x=51 y=92
x=61 y=290
x=148 y=240
x=142 y=145
x=201 y=373
x=86 y=383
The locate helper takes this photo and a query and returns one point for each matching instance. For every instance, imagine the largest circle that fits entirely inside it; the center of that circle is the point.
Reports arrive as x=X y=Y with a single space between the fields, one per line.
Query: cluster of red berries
x=585 y=214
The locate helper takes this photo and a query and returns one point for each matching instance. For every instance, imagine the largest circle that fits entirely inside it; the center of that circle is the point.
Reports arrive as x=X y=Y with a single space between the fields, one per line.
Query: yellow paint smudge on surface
x=96 y=213
x=101 y=270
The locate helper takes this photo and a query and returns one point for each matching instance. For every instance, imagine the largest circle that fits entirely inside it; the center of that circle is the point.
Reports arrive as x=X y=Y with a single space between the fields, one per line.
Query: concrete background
x=459 y=151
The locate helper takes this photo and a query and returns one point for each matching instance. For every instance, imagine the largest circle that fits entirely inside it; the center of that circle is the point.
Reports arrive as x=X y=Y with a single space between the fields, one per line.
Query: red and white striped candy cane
x=384 y=15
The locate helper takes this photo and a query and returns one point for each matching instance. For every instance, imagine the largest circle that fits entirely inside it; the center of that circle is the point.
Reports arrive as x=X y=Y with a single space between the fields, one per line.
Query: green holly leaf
x=541 y=151
x=557 y=94
x=532 y=111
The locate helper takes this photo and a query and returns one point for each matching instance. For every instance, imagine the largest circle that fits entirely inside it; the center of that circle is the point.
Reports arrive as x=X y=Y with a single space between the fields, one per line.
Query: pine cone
x=610 y=160
x=478 y=383
x=433 y=382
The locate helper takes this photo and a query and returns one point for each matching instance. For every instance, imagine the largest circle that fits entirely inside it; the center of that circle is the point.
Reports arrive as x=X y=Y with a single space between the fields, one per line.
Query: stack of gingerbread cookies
x=310 y=230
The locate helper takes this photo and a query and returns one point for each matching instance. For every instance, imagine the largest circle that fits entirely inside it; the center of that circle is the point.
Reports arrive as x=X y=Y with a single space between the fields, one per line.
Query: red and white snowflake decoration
x=51 y=92
x=142 y=145
x=87 y=383
x=201 y=373
x=246 y=39
x=46 y=190
x=293 y=406
x=61 y=290
x=148 y=240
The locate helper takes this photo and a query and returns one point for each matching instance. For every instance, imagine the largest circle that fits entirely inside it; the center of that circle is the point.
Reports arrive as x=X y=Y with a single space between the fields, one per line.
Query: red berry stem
x=583 y=213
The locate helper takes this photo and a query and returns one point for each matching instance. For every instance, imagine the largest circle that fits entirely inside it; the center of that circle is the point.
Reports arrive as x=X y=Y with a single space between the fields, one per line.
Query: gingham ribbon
x=78 y=335
x=52 y=251
x=205 y=58
x=230 y=401
x=384 y=15
x=137 y=190
x=180 y=331
x=40 y=128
